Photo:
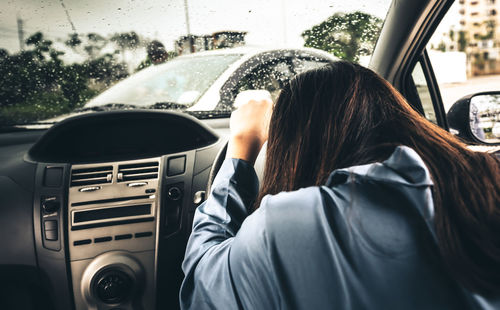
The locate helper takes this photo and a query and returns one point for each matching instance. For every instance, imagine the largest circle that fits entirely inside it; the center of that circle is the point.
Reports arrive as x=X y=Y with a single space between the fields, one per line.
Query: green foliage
x=73 y=40
x=441 y=47
x=95 y=44
x=148 y=62
x=37 y=84
x=44 y=106
x=345 y=35
x=462 y=41
x=126 y=40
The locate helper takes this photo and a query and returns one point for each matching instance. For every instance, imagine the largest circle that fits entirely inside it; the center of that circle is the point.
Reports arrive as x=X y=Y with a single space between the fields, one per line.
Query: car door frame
x=401 y=44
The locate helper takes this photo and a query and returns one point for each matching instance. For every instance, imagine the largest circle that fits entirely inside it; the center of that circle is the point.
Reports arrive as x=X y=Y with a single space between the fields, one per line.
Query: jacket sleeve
x=210 y=269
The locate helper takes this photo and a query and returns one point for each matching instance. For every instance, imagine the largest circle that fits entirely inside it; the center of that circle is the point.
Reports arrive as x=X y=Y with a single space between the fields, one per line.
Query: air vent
x=134 y=172
x=91 y=176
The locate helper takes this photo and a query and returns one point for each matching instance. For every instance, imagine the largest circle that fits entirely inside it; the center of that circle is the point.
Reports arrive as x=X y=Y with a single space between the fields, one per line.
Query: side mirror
x=476 y=118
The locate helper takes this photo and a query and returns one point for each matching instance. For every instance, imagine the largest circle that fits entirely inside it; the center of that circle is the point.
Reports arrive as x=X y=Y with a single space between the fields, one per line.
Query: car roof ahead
x=250 y=51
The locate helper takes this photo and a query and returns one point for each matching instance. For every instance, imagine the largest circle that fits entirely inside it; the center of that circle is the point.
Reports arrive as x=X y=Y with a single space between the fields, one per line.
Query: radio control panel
x=117 y=213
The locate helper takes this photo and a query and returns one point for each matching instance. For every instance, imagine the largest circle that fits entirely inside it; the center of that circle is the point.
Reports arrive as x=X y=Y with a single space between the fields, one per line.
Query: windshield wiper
x=25 y=126
x=210 y=114
x=107 y=107
x=167 y=105
x=183 y=108
x=123 y=106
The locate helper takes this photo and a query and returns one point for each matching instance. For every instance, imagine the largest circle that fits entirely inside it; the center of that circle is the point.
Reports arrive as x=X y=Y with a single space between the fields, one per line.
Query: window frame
x=411 y=93
x=412 y=33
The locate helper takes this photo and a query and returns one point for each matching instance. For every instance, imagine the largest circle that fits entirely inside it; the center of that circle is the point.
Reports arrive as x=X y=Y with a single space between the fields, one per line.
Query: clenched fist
x=249 y=126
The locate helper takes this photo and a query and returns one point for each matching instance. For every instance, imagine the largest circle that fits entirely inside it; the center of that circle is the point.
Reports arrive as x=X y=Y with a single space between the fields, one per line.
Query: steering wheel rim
x=221 y=156
x=219 y=160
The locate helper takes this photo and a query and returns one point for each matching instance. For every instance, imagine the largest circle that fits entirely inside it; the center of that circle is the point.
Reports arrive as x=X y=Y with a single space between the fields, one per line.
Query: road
x=454 y=91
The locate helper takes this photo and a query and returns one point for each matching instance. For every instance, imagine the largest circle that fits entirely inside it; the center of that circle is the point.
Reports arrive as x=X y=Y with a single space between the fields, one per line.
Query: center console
x=111 y=231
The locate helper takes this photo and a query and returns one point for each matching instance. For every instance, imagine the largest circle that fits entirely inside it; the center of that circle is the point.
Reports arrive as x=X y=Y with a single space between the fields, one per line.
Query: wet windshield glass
x=181 y=81
x=61 y=57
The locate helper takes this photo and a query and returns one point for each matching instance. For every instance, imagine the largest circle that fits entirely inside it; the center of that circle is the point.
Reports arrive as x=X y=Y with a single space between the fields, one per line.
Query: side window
x=464 y=51
x=269 y=76
x=423 y=92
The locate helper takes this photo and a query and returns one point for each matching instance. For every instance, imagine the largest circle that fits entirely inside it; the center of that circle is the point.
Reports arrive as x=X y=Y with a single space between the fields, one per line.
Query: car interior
x=98 y=207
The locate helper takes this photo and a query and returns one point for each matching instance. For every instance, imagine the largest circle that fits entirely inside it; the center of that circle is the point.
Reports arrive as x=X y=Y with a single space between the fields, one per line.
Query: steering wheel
x=242 y=97
x=219 y=159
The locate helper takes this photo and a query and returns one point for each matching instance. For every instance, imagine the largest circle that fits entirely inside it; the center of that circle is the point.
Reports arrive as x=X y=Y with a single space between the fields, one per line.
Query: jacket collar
x=404 y=166
x=404 y=170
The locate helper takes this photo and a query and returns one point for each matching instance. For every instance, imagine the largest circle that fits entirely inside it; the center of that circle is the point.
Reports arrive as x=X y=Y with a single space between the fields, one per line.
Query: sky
x=450 y=21
x=268 y=22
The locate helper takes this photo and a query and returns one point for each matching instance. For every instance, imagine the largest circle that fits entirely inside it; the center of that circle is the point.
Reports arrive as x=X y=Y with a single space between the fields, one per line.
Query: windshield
x=63 y=57
x=181 y=81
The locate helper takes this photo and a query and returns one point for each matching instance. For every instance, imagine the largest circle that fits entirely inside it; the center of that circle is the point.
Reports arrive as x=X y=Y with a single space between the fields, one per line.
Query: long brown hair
x=343 y=114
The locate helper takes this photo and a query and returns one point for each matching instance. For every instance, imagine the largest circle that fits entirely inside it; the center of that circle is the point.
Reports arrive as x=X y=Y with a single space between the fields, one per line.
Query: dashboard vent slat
x=91 y=176
x=140 y=171
x=87 y=176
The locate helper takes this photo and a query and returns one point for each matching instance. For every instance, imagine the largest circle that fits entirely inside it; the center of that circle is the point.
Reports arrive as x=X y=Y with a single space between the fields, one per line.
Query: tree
x=105 y=70
x=345 y=35
x=490 y=30
x=41 y=46
x=4 y=54
x=442 y=46
x=126 y=40
x=156 y=54
x=73 y=41
x=462 y=41
x=38 y=77
x=95 y=43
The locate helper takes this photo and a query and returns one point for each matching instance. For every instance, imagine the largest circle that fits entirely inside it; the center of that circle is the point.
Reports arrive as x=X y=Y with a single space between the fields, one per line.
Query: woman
x=364 y=205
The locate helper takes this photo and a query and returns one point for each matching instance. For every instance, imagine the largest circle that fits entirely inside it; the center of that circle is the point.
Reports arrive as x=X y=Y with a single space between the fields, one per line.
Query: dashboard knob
x=113 y=287
x=174 y=193
x=50 y=205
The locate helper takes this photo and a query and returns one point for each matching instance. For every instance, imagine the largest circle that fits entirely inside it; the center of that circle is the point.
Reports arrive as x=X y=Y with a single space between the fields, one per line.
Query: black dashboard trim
x=91 y=202
x=92 y=137
x=147 y=219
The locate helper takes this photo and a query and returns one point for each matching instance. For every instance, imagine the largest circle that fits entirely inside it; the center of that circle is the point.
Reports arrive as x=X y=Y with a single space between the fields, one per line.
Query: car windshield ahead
x=61 y=57
x=178 y=83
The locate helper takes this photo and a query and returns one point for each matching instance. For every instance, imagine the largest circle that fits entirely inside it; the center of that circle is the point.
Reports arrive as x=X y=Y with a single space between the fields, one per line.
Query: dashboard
x=97 y=210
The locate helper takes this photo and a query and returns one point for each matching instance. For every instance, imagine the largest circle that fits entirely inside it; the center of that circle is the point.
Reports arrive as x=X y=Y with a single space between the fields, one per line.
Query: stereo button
x=51 y=235
x=174 y=193
x=50 y=205
x=53 y=176
x=176 y=165
x=50 y=225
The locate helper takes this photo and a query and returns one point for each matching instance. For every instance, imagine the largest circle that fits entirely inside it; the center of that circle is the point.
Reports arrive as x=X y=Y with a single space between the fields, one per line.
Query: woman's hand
x=249 y=126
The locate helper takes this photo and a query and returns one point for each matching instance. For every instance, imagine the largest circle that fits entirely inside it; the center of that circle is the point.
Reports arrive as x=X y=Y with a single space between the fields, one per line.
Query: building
x=479 y=35
x=193 y=43
x=228 y=39
x=222 y=39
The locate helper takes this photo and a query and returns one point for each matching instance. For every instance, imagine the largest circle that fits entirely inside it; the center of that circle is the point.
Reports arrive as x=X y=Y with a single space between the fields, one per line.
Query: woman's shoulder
x=404 y=167
x=295 y=215
x=382 y=205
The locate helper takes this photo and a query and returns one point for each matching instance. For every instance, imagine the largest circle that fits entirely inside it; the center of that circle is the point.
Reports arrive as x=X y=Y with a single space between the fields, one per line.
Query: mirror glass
x=485 y=117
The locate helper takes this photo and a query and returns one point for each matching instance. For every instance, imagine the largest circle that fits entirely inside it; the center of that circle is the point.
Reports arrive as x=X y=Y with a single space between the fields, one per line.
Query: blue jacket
x=364 y=240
